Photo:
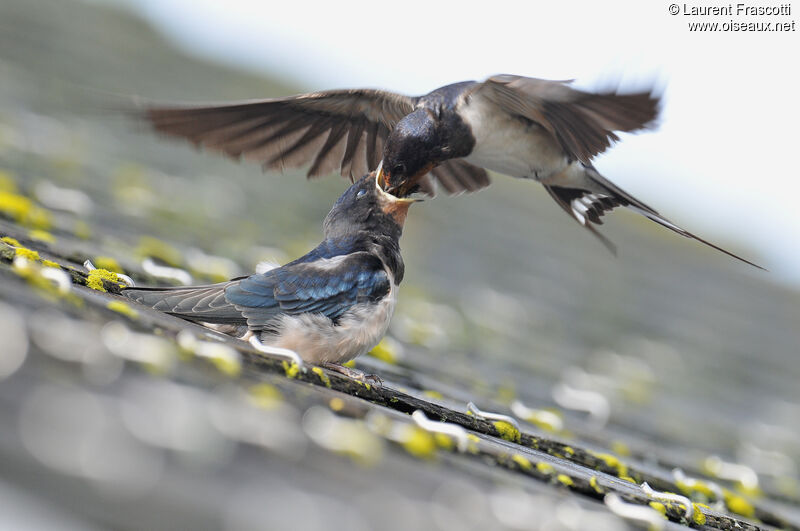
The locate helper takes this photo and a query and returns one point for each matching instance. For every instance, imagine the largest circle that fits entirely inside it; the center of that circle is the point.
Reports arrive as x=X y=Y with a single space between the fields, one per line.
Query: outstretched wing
x=338 y=130
x=329 y=286
x=582 y=122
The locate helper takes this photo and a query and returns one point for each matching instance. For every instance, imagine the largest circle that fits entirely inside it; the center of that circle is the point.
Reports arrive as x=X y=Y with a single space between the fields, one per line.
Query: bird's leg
x=354 y=374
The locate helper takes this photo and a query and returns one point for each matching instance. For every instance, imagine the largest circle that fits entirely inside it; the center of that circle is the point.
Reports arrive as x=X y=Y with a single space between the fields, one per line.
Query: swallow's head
x=365 y=206
x=414 y=147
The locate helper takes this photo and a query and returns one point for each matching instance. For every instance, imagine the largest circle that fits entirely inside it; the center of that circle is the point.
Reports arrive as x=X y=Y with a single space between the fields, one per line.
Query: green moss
x=523 y=462
x=507 y=431
x=123 y=309
x=565 y=480
x=322 y=376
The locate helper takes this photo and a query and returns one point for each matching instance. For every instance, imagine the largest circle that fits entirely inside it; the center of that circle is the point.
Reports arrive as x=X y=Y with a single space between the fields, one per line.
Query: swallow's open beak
x=389 y=193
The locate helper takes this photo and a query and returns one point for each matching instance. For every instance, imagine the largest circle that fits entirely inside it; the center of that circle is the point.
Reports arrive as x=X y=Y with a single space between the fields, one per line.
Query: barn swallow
x=524 y=127
x=329 y=306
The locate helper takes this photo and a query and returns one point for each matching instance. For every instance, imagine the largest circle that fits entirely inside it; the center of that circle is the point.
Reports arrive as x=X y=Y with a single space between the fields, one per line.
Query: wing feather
x=285 y=132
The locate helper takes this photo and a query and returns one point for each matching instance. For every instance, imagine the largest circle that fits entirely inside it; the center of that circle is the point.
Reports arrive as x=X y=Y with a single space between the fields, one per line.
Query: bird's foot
x=355 y=374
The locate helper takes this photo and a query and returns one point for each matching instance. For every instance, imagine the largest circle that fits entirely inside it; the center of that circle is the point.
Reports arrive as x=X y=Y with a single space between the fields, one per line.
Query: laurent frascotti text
x=735 y=10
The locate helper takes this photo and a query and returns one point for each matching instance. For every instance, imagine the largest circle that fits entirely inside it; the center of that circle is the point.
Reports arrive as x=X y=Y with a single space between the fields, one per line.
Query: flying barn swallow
x=329 y=306
x=528 y=128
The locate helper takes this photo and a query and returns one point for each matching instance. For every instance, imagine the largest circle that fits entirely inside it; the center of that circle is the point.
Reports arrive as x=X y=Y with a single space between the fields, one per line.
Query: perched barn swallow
x=329 y=306
x=519 y=126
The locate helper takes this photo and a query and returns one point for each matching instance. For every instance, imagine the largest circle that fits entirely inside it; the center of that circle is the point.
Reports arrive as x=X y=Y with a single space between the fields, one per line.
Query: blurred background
x=505 y=298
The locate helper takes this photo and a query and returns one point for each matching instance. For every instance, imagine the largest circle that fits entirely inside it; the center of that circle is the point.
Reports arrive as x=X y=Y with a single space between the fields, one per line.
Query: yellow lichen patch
x=444 y=441
x=628 y=479
x=265 y=396
x=41 y=236
x=565 y=480
x=506 y=393
x=698 y=517
x=7 y=183
x=696 y=487
x=226 y=364
x=24 y=211
x=593 y=483
x=433 y=394
x=336 y=404
x=620 y=448
x=291 y=370
x=612 y=462
x=473 y=441
x=751 y=491
x=569 y=451
x=419 y=443
x=122 y=308
x=109 y=264
x=50 y=263
x=96 y=277
x=155 y=248
x=738 y=505
x=660 y=507
x=349 y=364
x=523 y=462
x=384 y=351
x=363 y=384
x=545 y=468
x=82 y=230
x=28 y=254
x=322 y=376
x=507 y=431
x=10 y=241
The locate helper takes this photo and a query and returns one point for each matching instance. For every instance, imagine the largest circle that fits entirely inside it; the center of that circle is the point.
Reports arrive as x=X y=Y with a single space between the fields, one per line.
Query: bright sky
x=719 y=164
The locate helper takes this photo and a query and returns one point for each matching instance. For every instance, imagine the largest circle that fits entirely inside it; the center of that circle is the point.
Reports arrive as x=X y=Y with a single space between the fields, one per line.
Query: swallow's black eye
x=399 y=169
x=361 y=193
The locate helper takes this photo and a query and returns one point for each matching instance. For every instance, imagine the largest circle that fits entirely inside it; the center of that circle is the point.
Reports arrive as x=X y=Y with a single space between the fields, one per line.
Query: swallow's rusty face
x=390 y=204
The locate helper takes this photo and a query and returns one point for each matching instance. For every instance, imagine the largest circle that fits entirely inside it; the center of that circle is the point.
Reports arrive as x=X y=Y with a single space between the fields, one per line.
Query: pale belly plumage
x=510 y=145
x=317 y=340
